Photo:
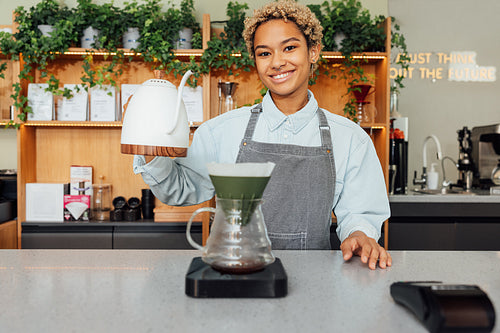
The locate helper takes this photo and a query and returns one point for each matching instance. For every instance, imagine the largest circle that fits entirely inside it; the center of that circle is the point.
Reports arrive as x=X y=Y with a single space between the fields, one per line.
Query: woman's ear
x=314 y=53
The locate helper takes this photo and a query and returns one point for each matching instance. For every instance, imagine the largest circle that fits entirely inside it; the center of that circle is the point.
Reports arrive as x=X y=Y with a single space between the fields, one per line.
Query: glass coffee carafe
x=238 y=241
x=365 y=111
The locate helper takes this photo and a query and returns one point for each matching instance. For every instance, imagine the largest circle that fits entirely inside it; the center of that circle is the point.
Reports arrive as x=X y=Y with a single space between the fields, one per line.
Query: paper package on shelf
x=103 y=103
x=75 y=108
x=40 y=101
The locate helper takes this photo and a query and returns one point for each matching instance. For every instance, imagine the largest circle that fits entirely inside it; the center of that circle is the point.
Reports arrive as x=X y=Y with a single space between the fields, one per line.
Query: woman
x=323 y=161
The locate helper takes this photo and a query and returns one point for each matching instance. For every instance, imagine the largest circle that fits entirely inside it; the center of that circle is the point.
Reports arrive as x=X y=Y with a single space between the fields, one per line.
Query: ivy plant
x=350 y=29
x=400 y=51
x=38 y=50
x=221 y=50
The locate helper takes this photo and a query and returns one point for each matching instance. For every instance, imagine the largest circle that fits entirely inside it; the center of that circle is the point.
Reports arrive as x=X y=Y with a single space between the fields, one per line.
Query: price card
x=40 y=101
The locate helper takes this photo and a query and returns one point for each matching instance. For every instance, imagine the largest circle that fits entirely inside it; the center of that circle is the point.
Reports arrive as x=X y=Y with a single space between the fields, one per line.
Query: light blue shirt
x=360 y=201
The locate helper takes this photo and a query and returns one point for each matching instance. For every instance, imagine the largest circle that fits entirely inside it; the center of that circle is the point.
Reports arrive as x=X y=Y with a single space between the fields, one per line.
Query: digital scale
x=202 y=281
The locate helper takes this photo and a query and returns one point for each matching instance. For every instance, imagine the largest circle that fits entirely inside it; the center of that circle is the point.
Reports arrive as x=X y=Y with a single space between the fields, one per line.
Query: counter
x=444 y=198
x=444 y=222
x=143 y=291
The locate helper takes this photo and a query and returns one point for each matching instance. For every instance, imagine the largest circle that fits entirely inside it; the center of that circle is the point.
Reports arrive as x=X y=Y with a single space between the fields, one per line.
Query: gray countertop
x=444 y=198
x=143 y=291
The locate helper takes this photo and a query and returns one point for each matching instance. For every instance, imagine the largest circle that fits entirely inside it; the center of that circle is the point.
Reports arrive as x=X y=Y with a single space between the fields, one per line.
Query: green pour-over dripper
x=244 y=182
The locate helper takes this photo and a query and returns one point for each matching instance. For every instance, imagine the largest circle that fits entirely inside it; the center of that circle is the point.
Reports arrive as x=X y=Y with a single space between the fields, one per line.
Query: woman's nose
x=278 y=61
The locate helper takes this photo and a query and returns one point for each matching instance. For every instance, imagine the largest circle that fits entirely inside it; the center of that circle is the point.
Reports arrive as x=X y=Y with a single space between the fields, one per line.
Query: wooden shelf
x=369 y=56
x=59 y=123
x=79 y=52
x=95 y=124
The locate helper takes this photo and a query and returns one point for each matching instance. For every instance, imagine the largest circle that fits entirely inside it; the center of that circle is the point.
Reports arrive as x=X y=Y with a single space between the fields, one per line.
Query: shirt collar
x=275 y=118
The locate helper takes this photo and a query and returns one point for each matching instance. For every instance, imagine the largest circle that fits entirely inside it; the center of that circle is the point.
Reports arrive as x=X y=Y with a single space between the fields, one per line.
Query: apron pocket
x=288 y=241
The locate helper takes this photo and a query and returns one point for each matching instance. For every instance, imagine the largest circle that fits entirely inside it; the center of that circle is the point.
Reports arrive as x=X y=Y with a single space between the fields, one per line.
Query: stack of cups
x=148 y=204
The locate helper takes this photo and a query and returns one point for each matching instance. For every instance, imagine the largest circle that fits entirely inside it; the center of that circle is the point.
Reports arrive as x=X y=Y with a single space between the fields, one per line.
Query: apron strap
x=252 y=122
x=324 y=130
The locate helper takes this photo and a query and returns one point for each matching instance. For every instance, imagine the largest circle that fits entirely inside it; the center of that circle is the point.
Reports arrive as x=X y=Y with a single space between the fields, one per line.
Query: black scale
x=202 y=281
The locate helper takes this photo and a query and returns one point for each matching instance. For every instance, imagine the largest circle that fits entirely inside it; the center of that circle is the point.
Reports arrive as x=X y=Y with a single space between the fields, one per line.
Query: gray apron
x=298 y=200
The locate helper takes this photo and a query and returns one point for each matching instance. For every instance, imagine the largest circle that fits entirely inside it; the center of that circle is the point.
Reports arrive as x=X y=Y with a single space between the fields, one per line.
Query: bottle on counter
x=432 y=178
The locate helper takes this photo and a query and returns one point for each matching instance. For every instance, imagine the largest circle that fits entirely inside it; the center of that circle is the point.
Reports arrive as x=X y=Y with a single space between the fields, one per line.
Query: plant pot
x=338 y=38
x=184 y=41
x=130 y=38
x=90 y=38
x=46 y=29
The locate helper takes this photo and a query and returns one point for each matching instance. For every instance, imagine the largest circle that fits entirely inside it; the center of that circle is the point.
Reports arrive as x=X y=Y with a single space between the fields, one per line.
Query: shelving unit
x=47 y=149
x=11 y=75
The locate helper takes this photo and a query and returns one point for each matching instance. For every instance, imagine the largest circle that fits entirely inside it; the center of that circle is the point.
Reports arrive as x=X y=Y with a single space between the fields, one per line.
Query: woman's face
x=282 y=58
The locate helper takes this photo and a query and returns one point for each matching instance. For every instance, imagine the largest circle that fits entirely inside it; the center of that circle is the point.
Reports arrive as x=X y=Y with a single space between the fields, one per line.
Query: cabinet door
x=8 y=235
x=67 y=237
x=479 y=234
x=170 y=236
x=421 y=234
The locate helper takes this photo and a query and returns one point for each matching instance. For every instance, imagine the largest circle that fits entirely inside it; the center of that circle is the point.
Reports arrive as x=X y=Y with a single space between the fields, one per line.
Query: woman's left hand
x=367 y=248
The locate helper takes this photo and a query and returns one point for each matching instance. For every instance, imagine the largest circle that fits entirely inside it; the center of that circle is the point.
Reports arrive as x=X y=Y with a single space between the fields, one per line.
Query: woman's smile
x=282 y=76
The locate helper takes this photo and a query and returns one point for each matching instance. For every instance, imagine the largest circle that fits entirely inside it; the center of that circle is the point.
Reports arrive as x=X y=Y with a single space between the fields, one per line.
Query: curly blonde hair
x=286 y=10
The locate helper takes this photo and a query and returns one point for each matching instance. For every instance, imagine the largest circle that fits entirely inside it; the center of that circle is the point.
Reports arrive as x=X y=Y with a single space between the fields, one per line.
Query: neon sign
x=458 y=66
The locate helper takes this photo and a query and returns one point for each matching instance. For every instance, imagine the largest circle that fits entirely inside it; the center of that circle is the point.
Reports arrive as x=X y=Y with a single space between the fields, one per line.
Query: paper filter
x=76 y=209
x=240 y=180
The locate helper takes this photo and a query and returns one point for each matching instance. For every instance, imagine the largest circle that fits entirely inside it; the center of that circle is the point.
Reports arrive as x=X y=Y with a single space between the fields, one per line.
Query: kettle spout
x=179 y=101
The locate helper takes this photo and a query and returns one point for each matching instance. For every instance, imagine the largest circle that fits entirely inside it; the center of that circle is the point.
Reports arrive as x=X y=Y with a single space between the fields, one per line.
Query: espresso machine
x=485 y=154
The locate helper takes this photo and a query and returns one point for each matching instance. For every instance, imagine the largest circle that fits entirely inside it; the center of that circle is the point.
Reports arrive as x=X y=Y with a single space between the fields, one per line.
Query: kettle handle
x=179 y=100
x=188 y=227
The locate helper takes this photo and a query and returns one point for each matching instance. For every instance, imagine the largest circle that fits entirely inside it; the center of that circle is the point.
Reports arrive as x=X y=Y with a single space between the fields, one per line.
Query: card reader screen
x=463 y=312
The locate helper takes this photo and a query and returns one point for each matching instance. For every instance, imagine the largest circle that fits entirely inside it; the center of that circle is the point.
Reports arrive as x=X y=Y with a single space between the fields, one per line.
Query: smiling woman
x=324 y=162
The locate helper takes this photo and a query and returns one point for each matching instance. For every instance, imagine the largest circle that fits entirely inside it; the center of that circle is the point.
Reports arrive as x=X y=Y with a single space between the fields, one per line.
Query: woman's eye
x=263 y=54
x=290 y=47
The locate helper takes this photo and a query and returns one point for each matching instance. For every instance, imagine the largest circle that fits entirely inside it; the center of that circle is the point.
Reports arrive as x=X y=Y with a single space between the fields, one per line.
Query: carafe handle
x=188 y=227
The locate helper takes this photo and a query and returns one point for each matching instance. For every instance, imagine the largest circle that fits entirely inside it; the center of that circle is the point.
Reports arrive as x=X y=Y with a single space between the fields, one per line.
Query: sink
x=445 y=191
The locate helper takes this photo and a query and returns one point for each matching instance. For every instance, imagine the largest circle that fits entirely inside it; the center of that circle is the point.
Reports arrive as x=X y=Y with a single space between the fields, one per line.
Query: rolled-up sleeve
x=362 y=204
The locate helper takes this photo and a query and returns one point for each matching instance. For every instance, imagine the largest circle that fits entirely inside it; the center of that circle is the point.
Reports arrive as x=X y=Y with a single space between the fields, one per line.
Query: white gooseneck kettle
x=155 y=120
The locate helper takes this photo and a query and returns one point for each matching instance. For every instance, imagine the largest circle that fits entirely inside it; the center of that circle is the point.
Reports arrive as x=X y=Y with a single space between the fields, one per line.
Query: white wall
x=8 y=149
x=442 y=107
x=216 y=8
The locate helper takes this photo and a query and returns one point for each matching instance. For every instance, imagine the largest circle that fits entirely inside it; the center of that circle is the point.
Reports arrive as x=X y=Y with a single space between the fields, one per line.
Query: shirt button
x=285 y=136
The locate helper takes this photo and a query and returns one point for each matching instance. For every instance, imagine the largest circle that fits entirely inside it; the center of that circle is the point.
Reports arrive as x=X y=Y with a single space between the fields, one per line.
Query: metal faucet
x=423 y=180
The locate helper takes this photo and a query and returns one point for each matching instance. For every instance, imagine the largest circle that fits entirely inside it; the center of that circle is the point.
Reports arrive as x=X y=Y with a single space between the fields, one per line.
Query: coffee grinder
x=486 y=155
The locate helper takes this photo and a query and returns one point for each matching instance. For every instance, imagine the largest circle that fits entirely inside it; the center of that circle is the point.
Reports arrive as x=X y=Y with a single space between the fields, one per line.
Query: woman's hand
x=367 y=248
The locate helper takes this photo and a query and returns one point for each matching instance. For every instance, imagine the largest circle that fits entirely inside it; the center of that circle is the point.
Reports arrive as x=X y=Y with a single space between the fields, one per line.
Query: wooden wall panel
x=59 y=148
